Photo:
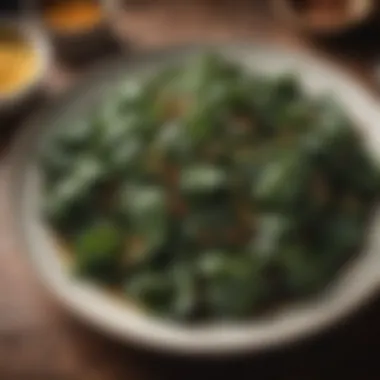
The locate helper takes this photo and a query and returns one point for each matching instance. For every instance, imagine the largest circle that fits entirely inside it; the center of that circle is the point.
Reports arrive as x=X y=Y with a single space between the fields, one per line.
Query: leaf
x=333 y=132
x=232 y=287
x=174 y=142
x=205 y=69
x=56 y=163
x=343 y=232
x=129 y=94
x=283 y=183
x=212 y=263
x=76 y=136
x=73 y=194
x=98 y=251
x=200 y=124
x=185 y=301
x=272 y=231
x=125 y=158
x=143 y=201
x=154 y=290
x=359 y=173
x=287 y=88
x=302 y=270
x=202 y=179
x=145 y=208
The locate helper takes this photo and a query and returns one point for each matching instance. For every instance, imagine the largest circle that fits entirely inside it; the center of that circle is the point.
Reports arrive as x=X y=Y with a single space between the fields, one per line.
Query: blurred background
x=45 y=48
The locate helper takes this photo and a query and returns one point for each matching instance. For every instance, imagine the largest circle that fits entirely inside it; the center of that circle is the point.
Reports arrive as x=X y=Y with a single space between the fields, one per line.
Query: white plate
x=356 y=283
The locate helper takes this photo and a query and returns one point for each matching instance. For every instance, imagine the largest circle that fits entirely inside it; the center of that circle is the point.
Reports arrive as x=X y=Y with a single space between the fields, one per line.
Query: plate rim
x=16 y=157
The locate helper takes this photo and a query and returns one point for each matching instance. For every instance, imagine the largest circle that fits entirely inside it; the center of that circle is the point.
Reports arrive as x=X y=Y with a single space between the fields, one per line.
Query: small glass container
x=25 y=61
x=79 y=29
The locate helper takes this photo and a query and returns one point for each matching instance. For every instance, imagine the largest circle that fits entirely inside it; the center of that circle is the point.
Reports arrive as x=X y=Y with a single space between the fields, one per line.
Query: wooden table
x=39 y=340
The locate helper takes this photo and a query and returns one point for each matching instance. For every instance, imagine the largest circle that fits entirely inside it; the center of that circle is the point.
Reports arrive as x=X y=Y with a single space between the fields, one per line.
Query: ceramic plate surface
x=356 y=283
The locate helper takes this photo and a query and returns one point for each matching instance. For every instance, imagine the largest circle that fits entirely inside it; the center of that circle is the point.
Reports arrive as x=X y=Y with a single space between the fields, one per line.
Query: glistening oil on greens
x=208 y=193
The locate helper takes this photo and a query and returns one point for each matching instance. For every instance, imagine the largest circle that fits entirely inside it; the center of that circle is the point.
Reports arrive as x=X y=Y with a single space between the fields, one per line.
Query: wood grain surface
x=39 y=340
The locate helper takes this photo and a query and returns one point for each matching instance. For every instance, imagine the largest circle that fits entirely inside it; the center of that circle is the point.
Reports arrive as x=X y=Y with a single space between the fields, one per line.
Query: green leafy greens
x=209 y=193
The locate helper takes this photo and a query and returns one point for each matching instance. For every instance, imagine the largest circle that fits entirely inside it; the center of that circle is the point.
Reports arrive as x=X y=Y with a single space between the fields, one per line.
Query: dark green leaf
x=98 y=251
x=145 y=208
x=155 y=290
x=283 y=183
x=272 y=231
x=202 y=179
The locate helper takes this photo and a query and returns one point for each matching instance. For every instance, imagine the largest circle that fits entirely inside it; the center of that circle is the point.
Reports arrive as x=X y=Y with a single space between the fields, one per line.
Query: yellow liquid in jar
x=18 y=63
